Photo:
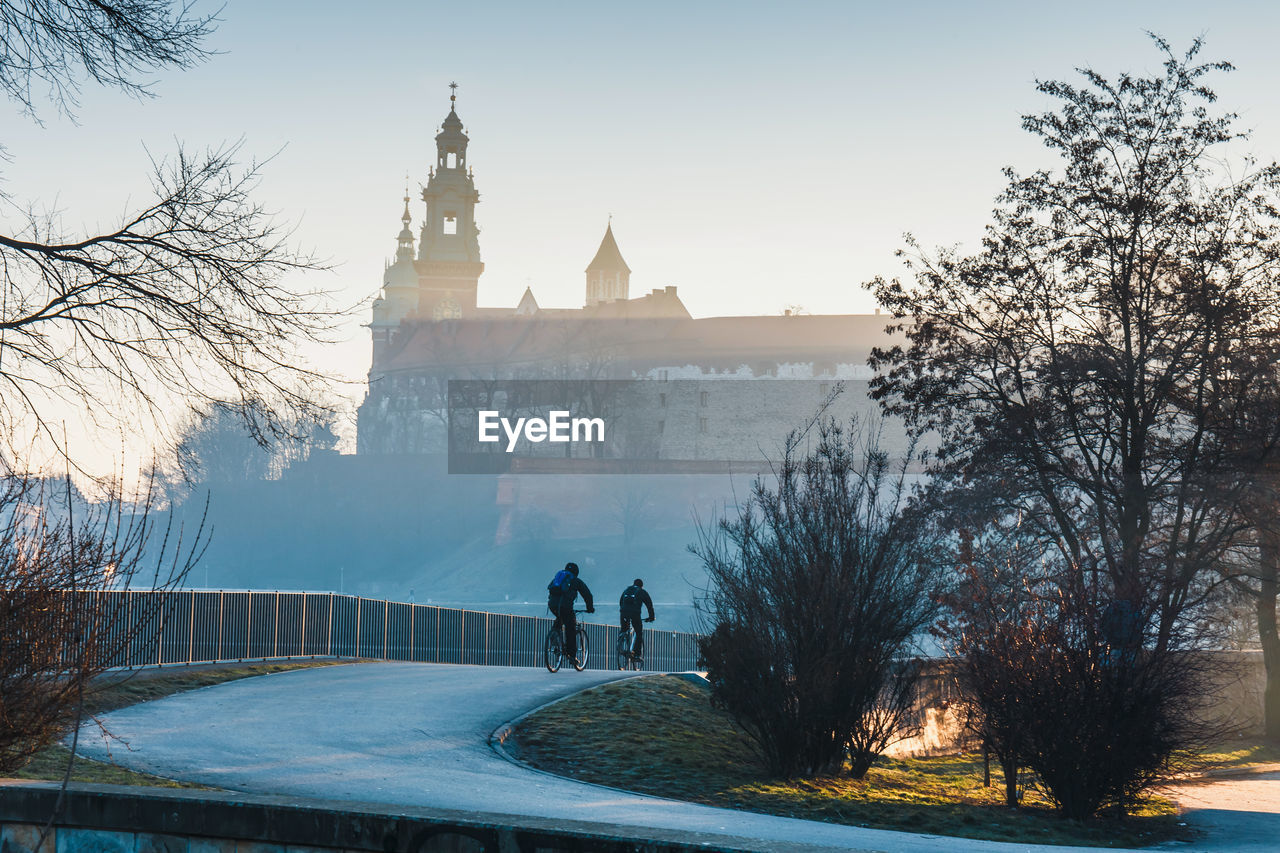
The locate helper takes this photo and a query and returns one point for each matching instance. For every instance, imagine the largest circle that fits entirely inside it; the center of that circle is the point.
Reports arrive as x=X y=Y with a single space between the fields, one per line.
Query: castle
x=428 y=328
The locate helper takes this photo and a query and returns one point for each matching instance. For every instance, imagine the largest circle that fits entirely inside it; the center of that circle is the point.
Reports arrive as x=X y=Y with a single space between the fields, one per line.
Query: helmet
x=571 y=568
x=639 y=583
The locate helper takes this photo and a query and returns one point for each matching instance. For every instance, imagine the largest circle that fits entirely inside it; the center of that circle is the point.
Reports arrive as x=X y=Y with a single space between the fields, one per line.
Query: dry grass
x=660 y=735
x=1240 y=754
x=118 y=690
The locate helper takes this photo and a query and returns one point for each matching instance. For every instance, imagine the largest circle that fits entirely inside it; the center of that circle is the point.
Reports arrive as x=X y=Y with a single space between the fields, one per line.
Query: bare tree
x=61 y=43
x=1072 y=372
x=182 y=300
x=63 y=621
x=817 y=590
x=1248 y=426
x=1070 y=367
x=220 y=446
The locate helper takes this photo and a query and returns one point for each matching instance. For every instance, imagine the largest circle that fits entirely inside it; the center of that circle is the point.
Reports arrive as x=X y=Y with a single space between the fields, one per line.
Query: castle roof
x=528 y=304
x=608 y=258
x=639 y=343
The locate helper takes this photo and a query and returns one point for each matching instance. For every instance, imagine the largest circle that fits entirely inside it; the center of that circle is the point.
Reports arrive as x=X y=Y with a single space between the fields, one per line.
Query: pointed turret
x=528 y=305
x=404 y=240
x=399 y=290
x=608 y=276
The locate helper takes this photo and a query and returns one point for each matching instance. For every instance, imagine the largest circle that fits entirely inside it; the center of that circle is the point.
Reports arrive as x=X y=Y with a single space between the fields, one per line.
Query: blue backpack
x=560 y=582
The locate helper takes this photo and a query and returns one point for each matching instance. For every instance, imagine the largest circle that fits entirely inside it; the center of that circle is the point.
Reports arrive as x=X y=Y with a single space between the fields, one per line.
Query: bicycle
x=626 y=652
x=628 y=658
x=553 y=648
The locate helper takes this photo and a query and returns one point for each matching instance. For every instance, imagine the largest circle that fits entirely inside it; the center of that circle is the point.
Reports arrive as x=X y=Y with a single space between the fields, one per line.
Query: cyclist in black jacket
x=629 y=611
x=568 y=597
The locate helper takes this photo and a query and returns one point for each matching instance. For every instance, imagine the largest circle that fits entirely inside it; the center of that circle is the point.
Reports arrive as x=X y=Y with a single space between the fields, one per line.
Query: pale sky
x=757 y=155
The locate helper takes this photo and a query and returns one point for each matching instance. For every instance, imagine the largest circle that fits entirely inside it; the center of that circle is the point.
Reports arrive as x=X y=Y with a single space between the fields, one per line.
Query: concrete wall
x=115 y=819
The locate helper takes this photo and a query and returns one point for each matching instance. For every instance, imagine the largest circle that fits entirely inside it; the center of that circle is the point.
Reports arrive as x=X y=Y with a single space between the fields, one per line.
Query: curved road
x=418 y=734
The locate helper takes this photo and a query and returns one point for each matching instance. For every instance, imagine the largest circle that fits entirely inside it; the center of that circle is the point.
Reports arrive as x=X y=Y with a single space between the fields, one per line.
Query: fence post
x=191 y=634
x=248 y=625
x=221 y=595
x=302 y=636
x=160 y=635
x=329 y=647
x=386 y=627
x=359 y=611
x=275 y=633
x=413 y=612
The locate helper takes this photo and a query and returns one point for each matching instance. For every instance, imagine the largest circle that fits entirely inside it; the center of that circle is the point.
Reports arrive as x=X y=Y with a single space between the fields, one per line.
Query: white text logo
x=559 y=427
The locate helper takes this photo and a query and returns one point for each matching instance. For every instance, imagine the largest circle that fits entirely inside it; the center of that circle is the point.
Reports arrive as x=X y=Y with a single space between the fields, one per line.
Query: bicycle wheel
x=552 y=653
x=624 y=649
x=580 y=661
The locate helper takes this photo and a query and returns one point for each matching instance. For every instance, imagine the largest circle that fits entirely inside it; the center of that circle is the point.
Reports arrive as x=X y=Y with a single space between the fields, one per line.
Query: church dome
x=401 y=274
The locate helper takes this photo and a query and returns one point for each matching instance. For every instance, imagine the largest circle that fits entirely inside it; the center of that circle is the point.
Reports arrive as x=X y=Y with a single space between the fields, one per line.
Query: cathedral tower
x=608 y=276
x=448 y=249
x=399 y=297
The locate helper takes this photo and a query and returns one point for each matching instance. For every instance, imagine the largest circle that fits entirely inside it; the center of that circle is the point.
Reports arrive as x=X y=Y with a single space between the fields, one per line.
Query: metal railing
x=210 y=626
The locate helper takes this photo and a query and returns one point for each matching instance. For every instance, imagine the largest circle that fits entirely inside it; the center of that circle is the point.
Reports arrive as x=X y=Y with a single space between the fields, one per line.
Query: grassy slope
x=115 y=691
x=660 y=735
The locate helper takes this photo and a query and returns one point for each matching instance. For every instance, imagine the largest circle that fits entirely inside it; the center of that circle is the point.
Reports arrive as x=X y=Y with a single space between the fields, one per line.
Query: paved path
x=417 y=734
x=1240 y=812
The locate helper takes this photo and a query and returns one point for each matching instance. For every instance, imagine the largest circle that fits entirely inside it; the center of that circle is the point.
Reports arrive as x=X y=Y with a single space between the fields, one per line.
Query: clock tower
x=449 y=264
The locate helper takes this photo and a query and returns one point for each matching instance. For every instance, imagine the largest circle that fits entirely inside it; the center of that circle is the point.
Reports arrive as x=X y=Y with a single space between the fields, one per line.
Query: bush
x=817 y=589
x=1055 y=682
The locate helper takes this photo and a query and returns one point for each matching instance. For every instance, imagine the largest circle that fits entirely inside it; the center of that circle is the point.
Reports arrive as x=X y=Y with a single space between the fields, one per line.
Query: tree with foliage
x=817 y=590
x=1069 y=370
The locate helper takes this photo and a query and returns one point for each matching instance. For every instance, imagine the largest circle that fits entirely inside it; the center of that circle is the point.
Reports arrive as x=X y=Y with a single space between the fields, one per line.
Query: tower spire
x=404 y=240
x=608 y=276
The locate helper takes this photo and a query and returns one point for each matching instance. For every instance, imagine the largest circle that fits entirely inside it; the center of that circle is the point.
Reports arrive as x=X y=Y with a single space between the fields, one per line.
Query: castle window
x=662 y=374
x=450 y=224
x=451 y=160
x=702 y=425
x=662 y=427
x=662 y=400
x=824 y=389
x=706 y=399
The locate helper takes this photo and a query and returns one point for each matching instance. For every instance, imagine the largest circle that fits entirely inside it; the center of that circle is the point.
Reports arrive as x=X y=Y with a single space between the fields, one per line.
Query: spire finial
x=453 y=94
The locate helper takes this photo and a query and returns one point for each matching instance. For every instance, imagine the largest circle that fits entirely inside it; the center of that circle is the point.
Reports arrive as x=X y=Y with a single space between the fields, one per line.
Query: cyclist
x=569 y=590
x=554 y=589
x=629 y=612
